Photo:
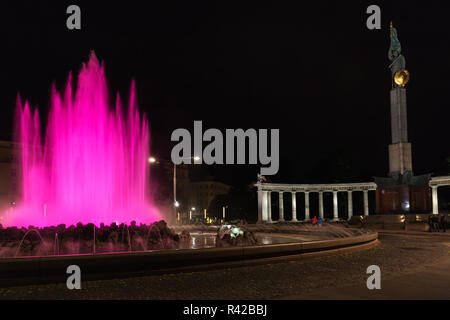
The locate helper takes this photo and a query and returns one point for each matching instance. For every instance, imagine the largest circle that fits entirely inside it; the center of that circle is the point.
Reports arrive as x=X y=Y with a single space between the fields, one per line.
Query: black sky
x=313 y=70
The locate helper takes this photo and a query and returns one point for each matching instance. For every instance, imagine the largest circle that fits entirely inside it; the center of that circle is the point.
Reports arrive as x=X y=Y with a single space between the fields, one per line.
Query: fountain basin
x=48 y=269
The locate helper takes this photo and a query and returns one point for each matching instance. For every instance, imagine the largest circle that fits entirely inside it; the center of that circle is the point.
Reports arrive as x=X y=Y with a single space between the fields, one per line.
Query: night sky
x=312 y=69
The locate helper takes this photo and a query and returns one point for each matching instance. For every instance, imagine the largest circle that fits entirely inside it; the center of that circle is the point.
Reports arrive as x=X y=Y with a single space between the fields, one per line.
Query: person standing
x=435 y=221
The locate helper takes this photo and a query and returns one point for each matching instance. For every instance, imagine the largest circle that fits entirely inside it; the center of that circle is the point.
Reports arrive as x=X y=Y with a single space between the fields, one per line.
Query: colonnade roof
x=440 y=181
x=339 y=187
x=329 y=187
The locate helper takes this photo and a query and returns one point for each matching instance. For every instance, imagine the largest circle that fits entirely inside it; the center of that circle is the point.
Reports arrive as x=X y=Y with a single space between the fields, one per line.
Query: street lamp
x=176 y=204
x=223 y=212
x=196 y=158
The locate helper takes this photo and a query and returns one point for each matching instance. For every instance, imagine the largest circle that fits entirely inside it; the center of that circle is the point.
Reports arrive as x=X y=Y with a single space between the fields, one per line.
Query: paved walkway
x=425 y=283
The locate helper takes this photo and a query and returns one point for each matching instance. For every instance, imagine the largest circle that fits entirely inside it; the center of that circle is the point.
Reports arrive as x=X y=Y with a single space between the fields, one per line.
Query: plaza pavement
x=423 y=282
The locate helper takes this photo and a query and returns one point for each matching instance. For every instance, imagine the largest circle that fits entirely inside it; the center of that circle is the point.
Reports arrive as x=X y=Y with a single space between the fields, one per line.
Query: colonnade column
x=350 y=204
x=280 y=197
x=335 y=206
x=434 y=195
x=294 y=207
x=260 y=205
x=307 y=216
x=269 y=206
x=366 y=202
x=321 y=204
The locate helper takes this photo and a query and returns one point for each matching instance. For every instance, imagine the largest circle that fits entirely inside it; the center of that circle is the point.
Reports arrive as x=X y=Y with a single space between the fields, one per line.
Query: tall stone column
x=435 y=201
x=400 y=149
x=335 y=206
x=350 y=204
x=399 y=123
x=281 y=206
x=294 y=207
x=366 y=202
x=307 y=215
x=321 y=204
x=269 y=206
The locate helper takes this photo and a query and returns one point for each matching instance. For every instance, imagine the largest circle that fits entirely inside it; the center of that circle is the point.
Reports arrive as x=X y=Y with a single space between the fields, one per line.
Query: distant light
x=193 y=208
x=151 y=160
x=405 y=205
x=196 y=158
x=177 y=204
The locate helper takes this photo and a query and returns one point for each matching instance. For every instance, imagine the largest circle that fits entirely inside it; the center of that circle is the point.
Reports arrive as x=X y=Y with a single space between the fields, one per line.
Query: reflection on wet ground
x=208 y=240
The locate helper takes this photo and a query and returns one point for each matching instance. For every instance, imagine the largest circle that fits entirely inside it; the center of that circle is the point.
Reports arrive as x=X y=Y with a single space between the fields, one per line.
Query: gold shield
x=401 y=77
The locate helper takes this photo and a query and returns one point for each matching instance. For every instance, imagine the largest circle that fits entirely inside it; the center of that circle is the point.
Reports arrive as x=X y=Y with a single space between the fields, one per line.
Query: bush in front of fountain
x=231 y=235
x=79 y=238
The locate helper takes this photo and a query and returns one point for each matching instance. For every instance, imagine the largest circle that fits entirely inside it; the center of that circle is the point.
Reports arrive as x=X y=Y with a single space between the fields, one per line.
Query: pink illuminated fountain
x=90 y=166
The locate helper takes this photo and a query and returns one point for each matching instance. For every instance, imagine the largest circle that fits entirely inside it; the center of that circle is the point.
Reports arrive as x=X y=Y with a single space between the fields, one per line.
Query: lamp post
x=223 y=212
x=176 y=204
x=196 y=158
